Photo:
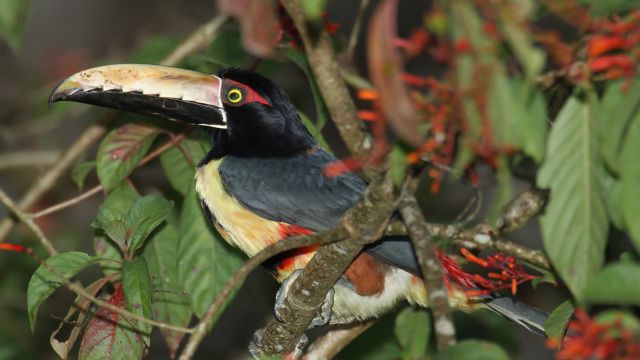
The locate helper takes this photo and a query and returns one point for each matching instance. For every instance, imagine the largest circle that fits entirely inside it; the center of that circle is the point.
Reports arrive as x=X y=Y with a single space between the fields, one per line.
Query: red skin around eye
x=250 y=94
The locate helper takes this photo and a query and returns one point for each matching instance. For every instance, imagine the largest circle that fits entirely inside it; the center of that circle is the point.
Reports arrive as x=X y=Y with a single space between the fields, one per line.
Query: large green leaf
x=558 y=320
x=144 y=216
x=115 y=207
x=13 y=18
x=179 y=164
x=472 y=350
x=50 y=275
x=615 y=284
x=412 y=329
x=575 y=224
x=136 y=284
x=121 y=151
x=621 y=107
x=80 y=172
x=169 y=303
x=205 y=261
x=630 y=189
x=110 y=335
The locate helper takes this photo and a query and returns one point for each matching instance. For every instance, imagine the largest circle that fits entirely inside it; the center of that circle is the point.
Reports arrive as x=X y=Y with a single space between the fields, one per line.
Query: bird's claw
x=324 y=314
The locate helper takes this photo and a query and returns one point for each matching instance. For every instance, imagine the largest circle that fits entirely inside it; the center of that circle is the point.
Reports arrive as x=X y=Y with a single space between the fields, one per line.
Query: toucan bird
x=263 y=180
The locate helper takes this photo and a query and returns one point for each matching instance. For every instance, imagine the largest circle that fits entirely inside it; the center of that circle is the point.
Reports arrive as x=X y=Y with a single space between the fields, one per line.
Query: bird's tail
x=529 y=317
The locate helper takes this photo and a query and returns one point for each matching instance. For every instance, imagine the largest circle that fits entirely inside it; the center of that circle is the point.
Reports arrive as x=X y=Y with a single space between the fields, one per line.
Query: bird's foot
x=323 y=317
x=256 y=344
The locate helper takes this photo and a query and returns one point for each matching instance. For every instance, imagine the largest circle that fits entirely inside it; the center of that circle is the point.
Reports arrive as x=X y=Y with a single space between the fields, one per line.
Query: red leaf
x=109 y=335
x=385 y=68
x=258 y=21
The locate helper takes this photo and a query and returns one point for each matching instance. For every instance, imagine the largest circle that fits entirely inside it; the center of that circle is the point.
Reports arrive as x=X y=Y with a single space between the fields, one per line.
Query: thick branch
x=200 y=38
x=326 y=71
x=426 y=251
x=365 y=222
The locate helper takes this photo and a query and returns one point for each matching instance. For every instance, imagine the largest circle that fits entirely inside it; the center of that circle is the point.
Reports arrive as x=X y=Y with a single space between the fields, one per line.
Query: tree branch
x=365 y=222
x=200 y=38
x=426 y=252
x=331 y=343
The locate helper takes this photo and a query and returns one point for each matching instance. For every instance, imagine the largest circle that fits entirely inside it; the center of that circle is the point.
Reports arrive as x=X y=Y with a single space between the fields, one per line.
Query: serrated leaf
x=615 y=284
x=121 y=151
x=136 y=284
x=574 y=225
x=205 y=261
x=13 y=19
x=621 y=108
x=144 y=216
x=179 y=164
x=472 y=350
x=115 y=206
x=412 y=330
x=109 y=335
x=81 y=306
x=80 y=172
x=630 y=173
x=556 y=323
x=170 y=304
x=49 y=276
x=116 y=230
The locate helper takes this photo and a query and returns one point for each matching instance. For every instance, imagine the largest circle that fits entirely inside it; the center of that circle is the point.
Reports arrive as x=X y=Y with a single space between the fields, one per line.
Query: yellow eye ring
x=234 y=95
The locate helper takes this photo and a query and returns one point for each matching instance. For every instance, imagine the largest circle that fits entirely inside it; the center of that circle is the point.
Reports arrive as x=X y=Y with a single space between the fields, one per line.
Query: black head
x=261 y=120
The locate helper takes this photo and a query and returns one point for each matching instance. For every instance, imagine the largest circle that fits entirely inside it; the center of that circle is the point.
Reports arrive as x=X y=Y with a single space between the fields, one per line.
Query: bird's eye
x=234 y=95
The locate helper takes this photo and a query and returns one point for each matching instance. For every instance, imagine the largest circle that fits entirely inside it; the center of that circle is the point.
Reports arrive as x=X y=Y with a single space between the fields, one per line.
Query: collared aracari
x=263 y=180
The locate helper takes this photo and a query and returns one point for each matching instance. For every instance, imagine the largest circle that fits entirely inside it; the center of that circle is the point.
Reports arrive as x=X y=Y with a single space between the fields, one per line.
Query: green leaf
x=180 y=166
x=615 y=284
x=115 y=207
x=121 y=151
x=49 y=276
x=472 y=350
x=136 y=284
x=630 y=173
x=398 y=165
x=533 y=124
x=13 y=19
x=80 y=172
x=574 y=225
x=313 y=9
x=621 y=107
x=609 y=7
x=612 y=191
x=625 y=318
x=110 y=335
x=412 y=329
x=225 y=51
x=144 y=216
x=169 y=303
x=116 y=230
x=557 y=322
x=205 y=262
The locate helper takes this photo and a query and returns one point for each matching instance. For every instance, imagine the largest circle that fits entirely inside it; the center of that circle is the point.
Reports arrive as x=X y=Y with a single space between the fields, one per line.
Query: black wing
x=295 y=190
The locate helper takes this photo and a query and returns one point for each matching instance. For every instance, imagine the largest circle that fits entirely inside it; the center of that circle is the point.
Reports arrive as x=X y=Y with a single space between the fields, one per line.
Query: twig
x=331 y=343
x=67 y=203
x=355 y=30
x=6 y=200
x=175 y=140
x=200 y=38
x=288 y=244
x=326 y=71
x=426 y=252
x=28 y=158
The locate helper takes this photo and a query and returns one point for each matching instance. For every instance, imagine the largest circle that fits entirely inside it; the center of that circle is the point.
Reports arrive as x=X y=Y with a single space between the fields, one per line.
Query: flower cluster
x=505 y=273
x=613 y=49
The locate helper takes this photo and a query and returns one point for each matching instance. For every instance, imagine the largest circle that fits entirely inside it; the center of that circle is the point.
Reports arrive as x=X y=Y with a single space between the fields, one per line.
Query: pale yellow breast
x=246 y=230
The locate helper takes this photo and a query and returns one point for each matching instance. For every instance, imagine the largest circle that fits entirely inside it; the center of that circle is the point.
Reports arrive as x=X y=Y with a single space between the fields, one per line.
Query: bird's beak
x=162 y=91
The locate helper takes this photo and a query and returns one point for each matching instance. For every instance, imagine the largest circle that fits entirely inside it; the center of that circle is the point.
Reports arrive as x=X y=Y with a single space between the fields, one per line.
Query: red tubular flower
x=590 y=339
x=507 y=273
x=13 y=247
x=599 y=44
